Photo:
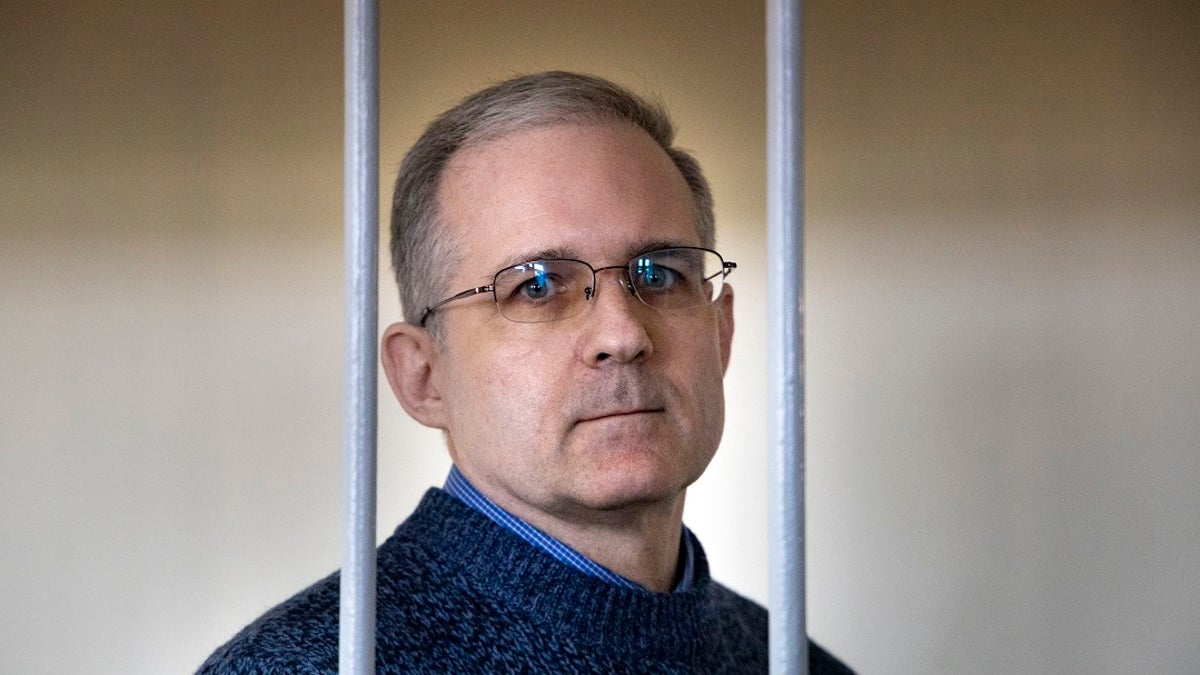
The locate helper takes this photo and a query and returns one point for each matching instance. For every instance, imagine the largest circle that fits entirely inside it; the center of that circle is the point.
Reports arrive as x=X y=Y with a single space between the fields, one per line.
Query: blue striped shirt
x=458 y=486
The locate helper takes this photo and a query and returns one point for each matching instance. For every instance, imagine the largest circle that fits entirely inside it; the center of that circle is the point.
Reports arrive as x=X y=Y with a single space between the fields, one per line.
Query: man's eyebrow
x=573 y=254
x=655 y=245
x=541 y=254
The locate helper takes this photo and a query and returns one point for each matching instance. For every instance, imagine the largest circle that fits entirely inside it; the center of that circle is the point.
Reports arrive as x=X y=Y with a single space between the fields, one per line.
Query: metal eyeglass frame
x=726 y=268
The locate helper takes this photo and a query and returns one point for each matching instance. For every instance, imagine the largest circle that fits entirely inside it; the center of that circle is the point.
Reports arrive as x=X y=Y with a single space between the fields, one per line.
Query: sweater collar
x=490 y=560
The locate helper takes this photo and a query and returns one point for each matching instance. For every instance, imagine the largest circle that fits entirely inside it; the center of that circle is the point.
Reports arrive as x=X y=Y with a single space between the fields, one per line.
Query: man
x=567 y=326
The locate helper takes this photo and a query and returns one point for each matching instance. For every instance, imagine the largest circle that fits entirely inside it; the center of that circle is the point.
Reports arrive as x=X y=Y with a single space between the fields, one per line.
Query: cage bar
x=356 y=628
x=785 y=291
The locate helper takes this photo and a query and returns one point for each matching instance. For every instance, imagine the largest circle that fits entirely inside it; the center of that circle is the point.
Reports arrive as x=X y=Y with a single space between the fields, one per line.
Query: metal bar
x=356 y=646
x=785 y=290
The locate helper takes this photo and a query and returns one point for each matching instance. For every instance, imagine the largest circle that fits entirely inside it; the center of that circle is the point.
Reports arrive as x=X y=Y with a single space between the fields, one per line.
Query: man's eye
x=657 y=277
x=539 y=287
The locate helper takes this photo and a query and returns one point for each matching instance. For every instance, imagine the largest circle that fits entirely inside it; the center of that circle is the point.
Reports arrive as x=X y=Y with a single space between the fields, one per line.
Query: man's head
x=421 y=250
x=617 y=406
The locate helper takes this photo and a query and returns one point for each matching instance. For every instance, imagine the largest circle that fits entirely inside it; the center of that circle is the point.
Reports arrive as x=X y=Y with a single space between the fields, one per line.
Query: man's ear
x=409 y=358
x=725 y=324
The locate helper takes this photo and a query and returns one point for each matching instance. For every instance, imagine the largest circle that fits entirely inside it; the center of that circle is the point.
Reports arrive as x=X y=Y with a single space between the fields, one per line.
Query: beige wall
x=1004 y=361
x=1005 y=335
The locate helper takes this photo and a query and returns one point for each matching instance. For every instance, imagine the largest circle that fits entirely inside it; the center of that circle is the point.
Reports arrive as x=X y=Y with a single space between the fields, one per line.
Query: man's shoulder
x=754 y=619
x=300 y=635
x=751 y=615
x=821 y=662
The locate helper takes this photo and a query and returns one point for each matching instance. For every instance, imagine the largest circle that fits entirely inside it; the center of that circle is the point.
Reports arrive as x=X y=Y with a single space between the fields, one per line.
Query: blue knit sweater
x=459 y=594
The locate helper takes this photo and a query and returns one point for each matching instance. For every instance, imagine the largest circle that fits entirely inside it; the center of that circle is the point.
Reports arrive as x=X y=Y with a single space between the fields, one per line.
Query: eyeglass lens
x=549 y=290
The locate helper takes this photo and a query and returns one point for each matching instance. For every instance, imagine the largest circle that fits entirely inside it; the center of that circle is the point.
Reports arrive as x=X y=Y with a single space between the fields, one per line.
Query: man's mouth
x=616 y=414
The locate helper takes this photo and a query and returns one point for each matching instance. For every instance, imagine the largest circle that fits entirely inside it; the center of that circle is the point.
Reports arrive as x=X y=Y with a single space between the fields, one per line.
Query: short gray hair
x=421 y=250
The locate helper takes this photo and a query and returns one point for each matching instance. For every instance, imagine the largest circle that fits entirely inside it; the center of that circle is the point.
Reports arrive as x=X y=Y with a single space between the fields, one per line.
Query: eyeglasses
x=682 y=277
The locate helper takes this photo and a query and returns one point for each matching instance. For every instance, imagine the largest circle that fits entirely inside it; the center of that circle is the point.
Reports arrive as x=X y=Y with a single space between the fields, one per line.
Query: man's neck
x=644 y=549
x=640 y=543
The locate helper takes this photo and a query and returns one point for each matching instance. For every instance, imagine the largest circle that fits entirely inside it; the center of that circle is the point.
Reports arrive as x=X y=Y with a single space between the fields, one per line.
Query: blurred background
x=1003 y=251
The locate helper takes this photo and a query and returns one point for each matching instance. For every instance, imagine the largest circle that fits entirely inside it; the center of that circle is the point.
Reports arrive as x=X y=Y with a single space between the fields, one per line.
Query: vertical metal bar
x=356 y=636
x=785 y=242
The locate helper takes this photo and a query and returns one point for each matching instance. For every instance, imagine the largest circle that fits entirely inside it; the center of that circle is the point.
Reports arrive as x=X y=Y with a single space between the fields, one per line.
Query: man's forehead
x=598 y=192
x=522 y=142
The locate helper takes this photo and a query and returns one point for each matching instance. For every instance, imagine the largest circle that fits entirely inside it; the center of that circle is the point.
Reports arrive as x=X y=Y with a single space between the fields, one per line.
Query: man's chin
x=617 y=490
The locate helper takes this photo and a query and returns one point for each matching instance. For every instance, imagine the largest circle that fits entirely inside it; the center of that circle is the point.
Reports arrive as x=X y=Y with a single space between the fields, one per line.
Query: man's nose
x=617 y=322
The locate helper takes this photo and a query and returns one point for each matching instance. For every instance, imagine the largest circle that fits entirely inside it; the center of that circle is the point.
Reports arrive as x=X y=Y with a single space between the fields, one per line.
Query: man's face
x=619 y=406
